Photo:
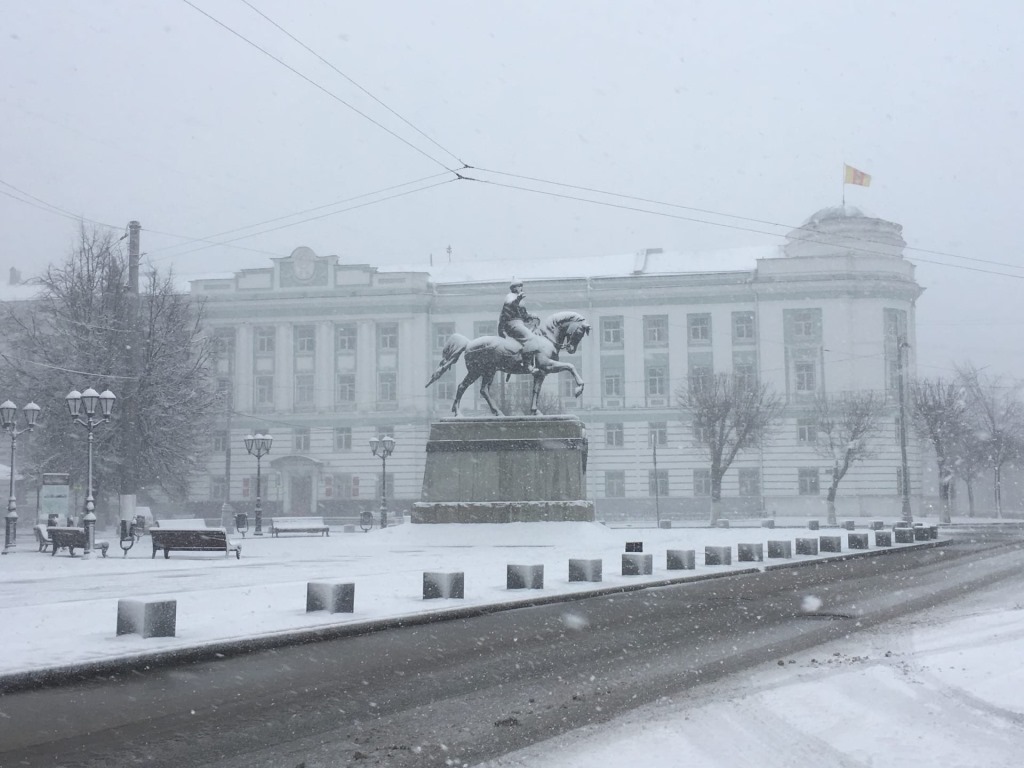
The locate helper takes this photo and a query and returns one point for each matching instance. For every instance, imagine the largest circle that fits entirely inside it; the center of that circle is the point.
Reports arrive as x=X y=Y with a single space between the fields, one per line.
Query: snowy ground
x=942 y=689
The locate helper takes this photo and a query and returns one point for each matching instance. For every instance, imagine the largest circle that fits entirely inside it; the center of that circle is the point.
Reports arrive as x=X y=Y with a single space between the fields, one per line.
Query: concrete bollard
x=830 y=544
x=330 y=596
x=634 y=546
x=437 y=585
x=903 y=535
x=767 y=523
x=813 y=525
x=750 y=553
x=723 y=523
x=877 y=525
x=637 y=564
x=883 y=538
x=933 y=531
x=857 y=540
x=680 y=559
x=664 y=523
x=585 y=570
x=717 y=555
x=149 y=618
x=780 y=549
x=849 y=525
x=807 y=546
x=524 y=576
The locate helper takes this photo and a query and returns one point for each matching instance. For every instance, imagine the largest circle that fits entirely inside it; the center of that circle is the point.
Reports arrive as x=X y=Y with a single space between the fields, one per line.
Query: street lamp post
x=87 y=401
x=258 y=445
x=8 y=420
x=383 y=446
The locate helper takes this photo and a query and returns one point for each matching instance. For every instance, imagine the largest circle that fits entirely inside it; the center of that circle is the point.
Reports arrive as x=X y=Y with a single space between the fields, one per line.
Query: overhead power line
x=315 y=84
x=809 y=238
x=353 y=82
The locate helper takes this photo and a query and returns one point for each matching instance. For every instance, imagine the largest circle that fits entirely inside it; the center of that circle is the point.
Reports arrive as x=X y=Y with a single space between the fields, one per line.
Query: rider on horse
x=515 y=321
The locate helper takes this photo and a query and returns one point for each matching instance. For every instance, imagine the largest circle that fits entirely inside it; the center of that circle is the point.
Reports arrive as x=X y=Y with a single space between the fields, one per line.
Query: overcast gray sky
x=148 y=109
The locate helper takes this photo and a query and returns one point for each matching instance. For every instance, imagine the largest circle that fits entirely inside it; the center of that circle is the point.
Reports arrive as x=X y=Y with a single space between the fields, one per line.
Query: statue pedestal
x=505 y=470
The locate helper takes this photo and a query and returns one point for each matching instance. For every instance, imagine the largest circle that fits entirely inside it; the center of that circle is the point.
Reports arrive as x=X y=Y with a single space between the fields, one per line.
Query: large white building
x=326 y=354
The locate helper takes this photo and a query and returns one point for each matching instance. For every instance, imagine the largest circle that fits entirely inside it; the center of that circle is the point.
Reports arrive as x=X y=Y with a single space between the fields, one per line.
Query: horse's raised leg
x=465 y=384
x=485 y=392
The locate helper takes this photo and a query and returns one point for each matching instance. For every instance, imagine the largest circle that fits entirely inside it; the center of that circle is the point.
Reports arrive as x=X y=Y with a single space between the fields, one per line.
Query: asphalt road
x=467 y=690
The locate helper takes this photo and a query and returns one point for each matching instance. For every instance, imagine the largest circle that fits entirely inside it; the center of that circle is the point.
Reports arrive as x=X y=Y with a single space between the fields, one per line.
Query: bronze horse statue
x=487 y=355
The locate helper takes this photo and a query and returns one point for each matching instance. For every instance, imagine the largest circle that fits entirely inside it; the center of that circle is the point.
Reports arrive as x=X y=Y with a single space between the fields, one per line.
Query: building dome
x=844 y=230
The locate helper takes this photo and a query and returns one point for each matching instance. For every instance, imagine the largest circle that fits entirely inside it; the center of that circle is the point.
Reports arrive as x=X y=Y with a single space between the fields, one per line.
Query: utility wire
x=809 y=238
x=315 y=84
x=727 y=215
x=50 y=207
x=353 y=82
x=209 y=238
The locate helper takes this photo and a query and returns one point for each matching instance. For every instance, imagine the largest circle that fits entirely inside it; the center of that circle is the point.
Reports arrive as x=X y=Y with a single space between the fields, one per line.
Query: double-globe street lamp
x=87 y=401
x=383 y=447
x=8 y=420
x=259 y=446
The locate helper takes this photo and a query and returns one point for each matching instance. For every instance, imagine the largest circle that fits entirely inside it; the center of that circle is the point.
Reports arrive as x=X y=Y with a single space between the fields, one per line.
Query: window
x=744 y=370
x=224 y=350
x=345 y=337
x=615 y=484
x=611 y=332
x=743 y=328
x=343 y=438
x=802 y=326
x=806 y=431
x=387 y=387
x=345 y=389
x=304 y=394
x=805 y=372
x=613 y=435
x=700 y=378
x=700 y=434
x=657 y=482
x=263 y=388
x=657 y=381
x=444 y=388
x=657 y=433
x=750 y=482
x=485 y=328
x=702 y=482
x=305 y=339
x=807 y=478
x=387 y=336
x=442 y=331
x=655 y=330
x=342 y=486
x=611 y=384
x=218 y=488
x=220 y=442
x=264 y=340
x=300 y=439
x=699 y=328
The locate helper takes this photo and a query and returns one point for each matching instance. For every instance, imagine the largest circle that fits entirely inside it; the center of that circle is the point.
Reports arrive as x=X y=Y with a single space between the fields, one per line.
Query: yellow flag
x=852 y=176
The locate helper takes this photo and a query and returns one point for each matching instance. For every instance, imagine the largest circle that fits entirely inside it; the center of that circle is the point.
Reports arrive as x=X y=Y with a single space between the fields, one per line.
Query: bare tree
x=940 y=416
x=997 y=415
x=87 y=328
x=728 y=414
x=846 y=424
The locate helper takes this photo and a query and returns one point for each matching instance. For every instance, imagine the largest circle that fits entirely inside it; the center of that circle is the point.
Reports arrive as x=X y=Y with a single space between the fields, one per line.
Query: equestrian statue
x=524 y=345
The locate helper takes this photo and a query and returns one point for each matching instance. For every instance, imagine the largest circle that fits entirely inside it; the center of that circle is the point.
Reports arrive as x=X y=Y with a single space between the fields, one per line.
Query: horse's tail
x=450 y=355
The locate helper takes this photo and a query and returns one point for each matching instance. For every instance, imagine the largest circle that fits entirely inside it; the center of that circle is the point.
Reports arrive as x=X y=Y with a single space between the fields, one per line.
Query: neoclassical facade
x=325 y=354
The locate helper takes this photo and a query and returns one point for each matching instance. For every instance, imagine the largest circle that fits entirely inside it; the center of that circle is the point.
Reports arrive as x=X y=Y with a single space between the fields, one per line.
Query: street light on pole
x=383 y=446
x=77 y=402
x=258 y=445
x=8 y=420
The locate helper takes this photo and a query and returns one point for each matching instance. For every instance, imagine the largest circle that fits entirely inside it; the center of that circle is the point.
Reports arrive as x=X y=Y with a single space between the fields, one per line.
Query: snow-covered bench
x=193 y=540
x=42 y=537
x=182 y=524
x=72 y=539
x=298 y=525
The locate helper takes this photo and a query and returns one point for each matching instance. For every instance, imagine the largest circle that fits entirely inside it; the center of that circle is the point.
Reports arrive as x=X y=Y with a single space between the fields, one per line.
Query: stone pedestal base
x=505 y=470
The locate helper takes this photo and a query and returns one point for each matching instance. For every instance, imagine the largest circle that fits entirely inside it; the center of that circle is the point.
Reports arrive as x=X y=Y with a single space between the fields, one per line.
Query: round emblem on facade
x=303 y=262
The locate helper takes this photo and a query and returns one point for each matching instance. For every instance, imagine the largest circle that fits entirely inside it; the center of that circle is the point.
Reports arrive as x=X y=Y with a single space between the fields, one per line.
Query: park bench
x=72 y=539
x=184 y=523
x=193 y=540
x=298 y=525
